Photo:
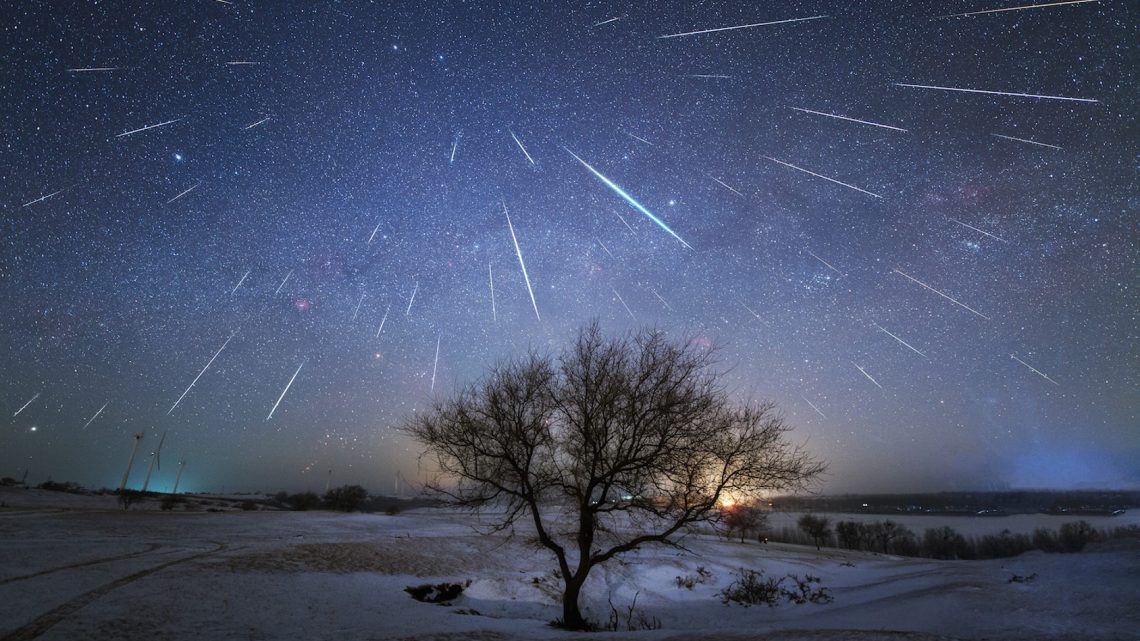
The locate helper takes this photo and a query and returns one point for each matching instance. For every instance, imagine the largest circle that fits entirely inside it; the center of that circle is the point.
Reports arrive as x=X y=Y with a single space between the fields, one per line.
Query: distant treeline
x=985 y=503
x=889 y=537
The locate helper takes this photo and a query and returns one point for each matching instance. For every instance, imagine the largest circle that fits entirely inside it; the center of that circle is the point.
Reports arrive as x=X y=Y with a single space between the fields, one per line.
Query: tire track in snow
x=82 y=564
x=45 y=621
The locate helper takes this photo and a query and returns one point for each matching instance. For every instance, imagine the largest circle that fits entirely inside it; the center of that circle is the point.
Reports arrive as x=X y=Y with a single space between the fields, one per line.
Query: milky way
x=913 y=227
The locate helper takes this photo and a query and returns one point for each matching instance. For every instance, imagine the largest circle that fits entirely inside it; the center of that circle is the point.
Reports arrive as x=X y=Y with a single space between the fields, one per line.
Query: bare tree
x=616 y=444
x=817 y=527
x=744 y=518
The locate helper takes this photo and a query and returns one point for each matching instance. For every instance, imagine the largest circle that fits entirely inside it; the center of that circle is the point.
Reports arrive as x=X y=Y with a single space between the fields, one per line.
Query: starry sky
x=207 y=204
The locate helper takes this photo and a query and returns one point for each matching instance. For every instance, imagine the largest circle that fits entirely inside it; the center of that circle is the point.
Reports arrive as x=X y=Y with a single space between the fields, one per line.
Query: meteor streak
x=436 y=365
x=412 y=299
x=263 y=120
x=1026 y=140
x=867 y=375
x=622 y=301
x=154 y=126
x=709 y=76
x=996 y=93
x=598 y=24
x=824 y=262
x=241 y=62
x=663 y=301
x=374 y=230
x=908 y=345
x=25 y=405
x=244 y=276
x=1021 y=8
x=287 y=386
x=1034 y=370
x=638 y=138
x=491 y=284
x=959 y=304
x=211 y=362
x=863 y=122
x=743 y=26
x=611 y=254
x=454 y=146
x=92 y=69
x=519 y=143
x=813 y=406
x=522 y=264
x=184 y=193
x=629 y=199
x=96 y=415
x=631 y=230
x=750 y=311
x=283 y=282
x=357 y=310
x=383 y=320
x=980 y=231
x=788 y=164
x=43 y=198
x=726 y=186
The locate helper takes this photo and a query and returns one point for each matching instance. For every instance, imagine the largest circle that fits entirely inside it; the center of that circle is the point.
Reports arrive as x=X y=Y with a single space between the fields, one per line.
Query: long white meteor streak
x=598 y=24
x=491 y=283
x=980 y=231
x=709 y=76
x=244 y=276
x=862 y=122
x=824 y=262
x=952 y=300
x=788 y=164
x=96 y=415
x=25 y=405
x=1034 y=370
x=908 y=345
x=374 y=230
x=287 y=386
x=412 y=299
x=995 y=93
x=436 y=365
x=262 y=121
x=242 y=62
x=622 y=301
x=154 y=126
x=743 y=26
x=211 y=362
x=817 y=410
x=869 y=377
x=184 y=193
x=750 y=311
x=726 y=186
x=283 y=282
x=607 y=249
x=383 y=320
x=663 y=301
x=522 y=264
x=92 y=69
x=627 y=225
x=43 y=198
x=519 y=143
x=454 y=146
x=1021 y=8
x=629 y=199
x=1026 y=140
x=357 y=310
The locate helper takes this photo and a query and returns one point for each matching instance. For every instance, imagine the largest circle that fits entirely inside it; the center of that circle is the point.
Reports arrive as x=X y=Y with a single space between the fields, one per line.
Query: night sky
x=938 y=287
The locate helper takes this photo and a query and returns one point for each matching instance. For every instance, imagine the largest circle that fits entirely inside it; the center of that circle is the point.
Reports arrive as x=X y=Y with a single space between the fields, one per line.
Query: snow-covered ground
x=74 y=568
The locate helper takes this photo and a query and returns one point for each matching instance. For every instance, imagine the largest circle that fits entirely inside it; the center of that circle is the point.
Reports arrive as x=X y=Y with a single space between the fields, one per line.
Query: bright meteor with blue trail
x=629 y=199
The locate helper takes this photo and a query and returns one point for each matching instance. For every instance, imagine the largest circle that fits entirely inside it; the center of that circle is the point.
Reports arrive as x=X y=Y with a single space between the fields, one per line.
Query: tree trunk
x=572 y=618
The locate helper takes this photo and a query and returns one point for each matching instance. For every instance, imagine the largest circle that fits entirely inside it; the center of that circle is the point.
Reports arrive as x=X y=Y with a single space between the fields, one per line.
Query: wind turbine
x=131 y=461
x=153 y=460
x=179 y=477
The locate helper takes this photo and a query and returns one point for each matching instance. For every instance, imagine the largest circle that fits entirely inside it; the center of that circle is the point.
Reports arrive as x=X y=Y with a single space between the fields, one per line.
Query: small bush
x=169 y=501
x=750 y=588
x=441 y=593
x=690 y=580
x=1075 y=536
x=1017 y=578
x=634 y=620
x=127 y=498
x=248 y=506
